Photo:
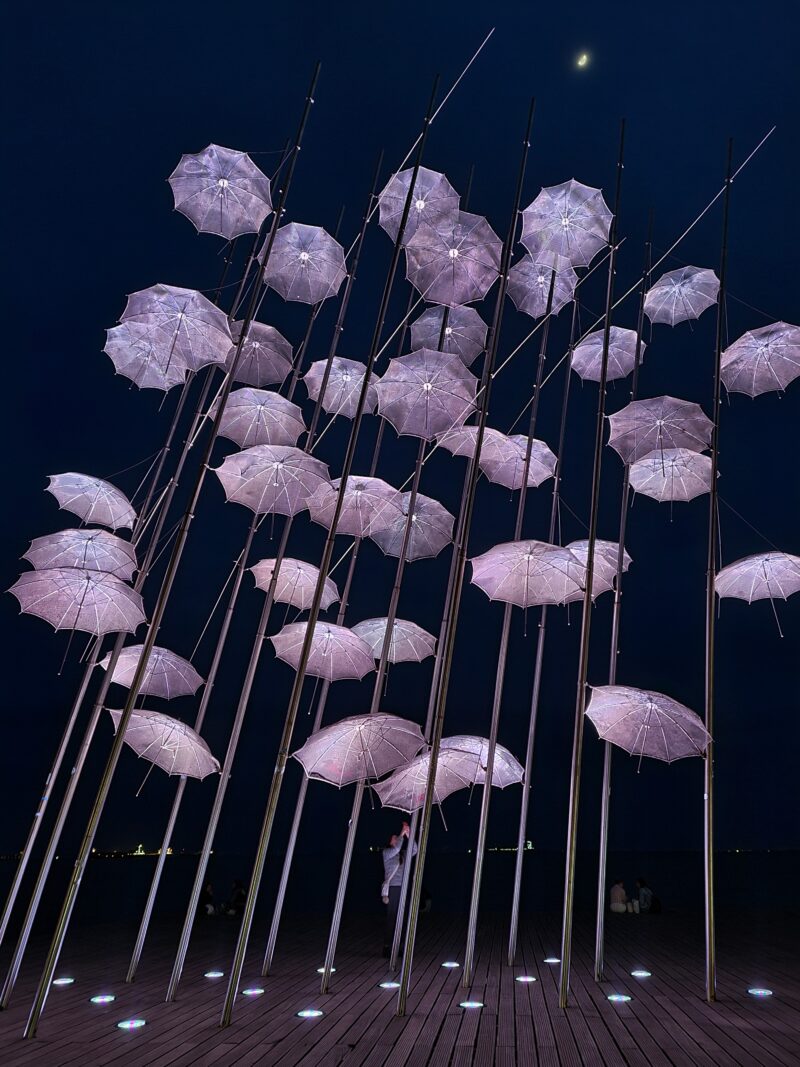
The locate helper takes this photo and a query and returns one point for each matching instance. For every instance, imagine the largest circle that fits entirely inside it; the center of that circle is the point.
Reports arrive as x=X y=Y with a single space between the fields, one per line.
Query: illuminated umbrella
x=587 y=357
x=185 y=323
x=296 y=583
x=455 y=260
x=93 y=550
x=431 y=529
x=266 y=357
x=168 y=743
x=473 y=753
x=646 y=426
x=70 y=598
x=502 y=458
x=221 y=191
x=464 y=334
x=167 y=674
x=529 y=286
x=763 y=576
x=370 y=504
x=645 y=723
x=763 y=360
x=138 y=353
x=426 y=393
x=569 y=220
x=604 y=567
x=434 y=199
x=343 y=388
x=358 y=747
x=258 y=417
x=93 y=500
x=306 y=264
x=672 y=474
x=336 y=652
x=409 y=643
x=272 y=478
x=526 y=573
x=681 y=294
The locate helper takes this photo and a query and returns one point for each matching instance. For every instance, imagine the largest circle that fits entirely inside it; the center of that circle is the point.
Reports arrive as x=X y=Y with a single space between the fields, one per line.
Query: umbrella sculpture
x=93 y=500
x=604 y=572
x=455 y=260
x=681 y=294
x=167 y=674
x=70 y=598
x=140 y=355
x=259 y=417
x=409 y=643
x=306 y=264
x=645 y=723
x=336 y=652
x=370 y=505
x=529 y=283
x=763 y=360
x=464 y=334
x=221 y=191
x=587 y=357
x=672 y=474
x=343 y=387
x=266 y=356
x=763 y=576
x=646 y=426
x=358 y=747
x=189 y=328
x=168 y=743
x=426 y=393
x=502 y=458
x=431 y=530
x=272 y=479
x=526 y=573
x=93 y=550
x=570 y=220
x=433 y=200
x=296 y=583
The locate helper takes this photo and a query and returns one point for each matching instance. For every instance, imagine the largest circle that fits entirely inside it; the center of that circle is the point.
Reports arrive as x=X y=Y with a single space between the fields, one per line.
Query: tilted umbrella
x=464 y=334
x=296 y=583
x=306 y=264
x=140 y=354
x=529 y=284
x=369 y=505
x=359 y=747
x=587 y=357
x=681 y=294
x=272 y=479
x=502 y=457
x=672 y=474
x=70 y=598
x=765 y=575
x=426 y=393
x=570 y=220
x=646 y=723
x=762 y=361
x=409 y=643
x=473 y=753
x=266 y=356
x=431 y=529
x=93 y=500
x=259 y=417
x=526 y=573
x=433 y=199
x=336 y=652
x=454 y=261
x=185 y=323
x=646 y=426
x=221 y=191
x=93 y=550
x=168 y=743
x=167 y=674
x=604 y=569
x=343 y=387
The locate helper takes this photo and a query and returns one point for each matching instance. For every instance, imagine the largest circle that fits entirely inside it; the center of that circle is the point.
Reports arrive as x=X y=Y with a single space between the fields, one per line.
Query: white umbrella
x=167 y=674
x=359 y=747
x=93 y=550
x=93 y=500
x=168 y=743
x=336 y=652
x=296 y=584
x=409 y=643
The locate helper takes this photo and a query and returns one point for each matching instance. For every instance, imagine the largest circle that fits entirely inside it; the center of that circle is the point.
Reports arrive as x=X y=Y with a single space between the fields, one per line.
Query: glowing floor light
x=63 y=981
x=390 y=985
x=640 y=974
x=131 y=1024
x=524 y=978
x=309 y=1013
x=619 y=998
x=471 y=1004
x=252 y=991
x=552 y=959
x=103 y=998
x=451 y=963
x=214 y=974
x=321 y=970
x=758 y=991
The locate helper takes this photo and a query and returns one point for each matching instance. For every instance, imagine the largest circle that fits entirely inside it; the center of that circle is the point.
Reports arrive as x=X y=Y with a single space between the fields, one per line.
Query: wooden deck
x=666 y=1022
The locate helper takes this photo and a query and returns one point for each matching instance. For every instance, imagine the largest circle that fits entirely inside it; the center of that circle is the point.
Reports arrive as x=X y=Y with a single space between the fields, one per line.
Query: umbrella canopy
x=645 y=723
x=681 y=294
x=70 y=598
x=426 y=393
x=646 y=426
x=140 y=354
x=185 y=323
x=409 y=643
x=296 y=583
x=762 y=361
x=431 y=529
x=464 y=334
x=502 y=458
x=569 y=220
x=587 y=357
x=526 y=573
x=370 y=505
x=266 y=357
x=529 y=283
x=672 y=474
x=455 y=260
x=92 y=499
x=258 y=417
x=93 y=550
x=272 y=479
x=221 y=191
x=604 y=569
x=343 y=388
x=358 y=747
x=168 y=743
x=306 y=264
x=336 y=652
x=434 y=199
x=473 y=753
x=766 y=575
x=167 y=674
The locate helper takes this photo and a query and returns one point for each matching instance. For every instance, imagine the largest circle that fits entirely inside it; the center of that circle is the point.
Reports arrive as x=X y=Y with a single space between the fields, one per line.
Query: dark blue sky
x=101 y=102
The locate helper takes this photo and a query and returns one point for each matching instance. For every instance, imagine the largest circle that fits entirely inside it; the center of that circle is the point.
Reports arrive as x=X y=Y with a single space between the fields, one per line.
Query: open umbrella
x=529 y=283
x=672 y=474
x=646 y=426
x=464 y=334
x=409 y=643
x=763 y=576
x=343 y=388
x=646 y=723
x=168 y=743
x=681 y=294
x=502 y=457
x=587 y=357
x=763 y=360
x=272 y=479
x=369 y=505
x=140 y=354
x=93 y=500
x=259 y=417
x=266 y=357
x=167 y=674
x=187 y=326
x=604 y=569
x=526 y=573
x=431 y=529
x=455 y=260
x=433 y=199
x=93 y=550
x=336 y=652
x=570 y=220
x=221 y=191
x=426 y=393
x=296 y=583
x=359 y=747
x=306 y=264
x=70 y=598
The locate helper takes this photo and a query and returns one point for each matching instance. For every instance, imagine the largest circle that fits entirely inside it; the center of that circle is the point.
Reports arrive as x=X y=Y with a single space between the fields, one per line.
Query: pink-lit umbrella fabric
x=221 y=191
x=272 y=479
x=336 y=652
x=93 y=500
x=93 y=550
x=359 y=747
x=167 y=674
x=426 y=393
x=646 y=723
x=70 y=598
x=296 y=583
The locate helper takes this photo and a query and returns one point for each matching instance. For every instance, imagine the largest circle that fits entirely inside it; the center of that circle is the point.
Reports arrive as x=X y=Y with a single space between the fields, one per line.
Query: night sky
x=103 y=100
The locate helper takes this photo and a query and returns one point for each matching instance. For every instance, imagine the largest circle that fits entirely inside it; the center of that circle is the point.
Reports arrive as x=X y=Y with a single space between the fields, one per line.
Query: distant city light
x=619 y=998
x=131 y=1024
x=214 y=974
x=756 y=991
x=309 y=1013
x=640 y=974
x=524 y=978
x=253 y=991
x=63 y=981
x=390 y=985
x=471 y=1004
x=552 y=959
x=102 y=998
x=451 y=963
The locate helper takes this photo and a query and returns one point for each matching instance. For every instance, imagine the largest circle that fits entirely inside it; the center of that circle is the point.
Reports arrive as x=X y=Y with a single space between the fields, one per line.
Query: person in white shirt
x=394 y=859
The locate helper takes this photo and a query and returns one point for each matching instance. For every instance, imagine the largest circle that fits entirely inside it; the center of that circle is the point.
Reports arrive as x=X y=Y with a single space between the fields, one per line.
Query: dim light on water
x=759 y=991
x=63 y=981
x=619 y=998
x=640 y=973
x=102 y=998
x=309 y=1013
x=131 y=1024
x=524 y=978
x=252 y=991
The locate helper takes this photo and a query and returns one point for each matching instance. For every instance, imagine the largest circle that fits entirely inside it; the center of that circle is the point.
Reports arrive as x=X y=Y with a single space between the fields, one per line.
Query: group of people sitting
x=643 y=901
x=234 y=905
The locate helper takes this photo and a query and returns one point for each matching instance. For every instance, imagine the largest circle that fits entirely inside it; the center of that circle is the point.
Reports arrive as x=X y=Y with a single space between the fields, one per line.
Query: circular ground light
x=471 y=1004
x=451 y=963
x=63 y=981
x=321 y=970
x=552 y=959
x=389 y=985
x=640 y=974
x=524 y=978
x=214 y=974
x=757 y=991
x=309 y=1013
x=619 y=998
x=130 y=1024
x=102 y=998
x=253 y=991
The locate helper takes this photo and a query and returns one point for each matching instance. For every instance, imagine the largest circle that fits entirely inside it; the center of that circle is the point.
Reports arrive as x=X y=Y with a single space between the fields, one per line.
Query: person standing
x=394 y=858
